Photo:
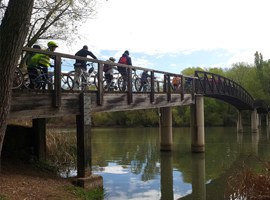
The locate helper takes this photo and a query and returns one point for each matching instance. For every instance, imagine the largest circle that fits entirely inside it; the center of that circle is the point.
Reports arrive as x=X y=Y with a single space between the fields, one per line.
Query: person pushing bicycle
x=80 y=65
x=40 y=61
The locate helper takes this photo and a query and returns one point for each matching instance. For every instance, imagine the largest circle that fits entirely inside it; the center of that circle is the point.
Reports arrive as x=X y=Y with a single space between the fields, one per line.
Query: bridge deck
x=39 y=104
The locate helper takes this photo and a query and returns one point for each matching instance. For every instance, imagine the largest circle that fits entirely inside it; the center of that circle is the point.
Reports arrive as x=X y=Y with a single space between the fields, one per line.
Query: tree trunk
x=13 y=31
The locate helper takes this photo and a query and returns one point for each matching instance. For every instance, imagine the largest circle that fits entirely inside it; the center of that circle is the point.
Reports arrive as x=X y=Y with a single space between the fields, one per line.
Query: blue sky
x=171 y=35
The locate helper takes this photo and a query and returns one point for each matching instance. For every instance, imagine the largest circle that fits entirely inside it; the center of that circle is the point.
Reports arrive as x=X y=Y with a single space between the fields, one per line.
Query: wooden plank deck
x=39 y=104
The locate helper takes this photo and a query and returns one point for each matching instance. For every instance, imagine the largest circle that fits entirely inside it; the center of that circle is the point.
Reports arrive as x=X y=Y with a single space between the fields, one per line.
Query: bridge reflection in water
x=38 y=105
x=139 y=169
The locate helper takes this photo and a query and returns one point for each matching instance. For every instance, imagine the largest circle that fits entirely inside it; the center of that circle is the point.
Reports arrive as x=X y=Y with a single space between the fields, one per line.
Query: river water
x=133 y=167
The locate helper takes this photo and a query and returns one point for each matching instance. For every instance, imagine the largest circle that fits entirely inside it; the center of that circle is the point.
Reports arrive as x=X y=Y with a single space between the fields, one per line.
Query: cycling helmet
x=52 y=44
x=85 y=47
x=112 y=59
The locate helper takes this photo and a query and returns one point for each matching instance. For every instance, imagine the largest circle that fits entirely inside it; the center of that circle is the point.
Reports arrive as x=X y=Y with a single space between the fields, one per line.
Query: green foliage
x=84 y=194
x=216 y=70
x=2 y=197
x=190 y=71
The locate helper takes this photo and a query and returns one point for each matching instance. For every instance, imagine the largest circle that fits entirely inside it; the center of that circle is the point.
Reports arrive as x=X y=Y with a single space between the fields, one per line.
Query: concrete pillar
x=254 y=121
x=166 y=176
x=165 y=128
x=239 y=122
x=198 y=177
x=197 y=125
x=259 y=118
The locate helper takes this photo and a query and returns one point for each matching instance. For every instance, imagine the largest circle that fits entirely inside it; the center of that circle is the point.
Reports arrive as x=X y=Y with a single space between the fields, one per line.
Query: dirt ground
x=20 y=181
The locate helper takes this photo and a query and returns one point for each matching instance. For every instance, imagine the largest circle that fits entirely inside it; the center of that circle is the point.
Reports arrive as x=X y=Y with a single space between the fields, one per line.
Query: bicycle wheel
x=137 y=84
x=122 y=84
x=26 y=80
x=39 y=82
x=17 y=79
x=67 y=82
x=96 y=81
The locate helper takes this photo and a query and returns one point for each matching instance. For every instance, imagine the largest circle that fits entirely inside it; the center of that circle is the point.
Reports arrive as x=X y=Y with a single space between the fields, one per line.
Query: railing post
x=152 y=94
x=100 y=84
x=57 y=82
x=182 y=92
x=165 y=83
x=168 y=88
x=129 y=86
x=193 y=89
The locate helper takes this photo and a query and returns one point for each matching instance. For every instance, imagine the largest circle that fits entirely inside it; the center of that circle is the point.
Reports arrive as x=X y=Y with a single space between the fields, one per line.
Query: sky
x=171 y=35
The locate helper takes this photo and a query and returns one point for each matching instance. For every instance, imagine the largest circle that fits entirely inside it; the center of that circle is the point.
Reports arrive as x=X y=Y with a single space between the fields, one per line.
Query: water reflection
x=198 y=176
x=166 y=173
x=132 y=166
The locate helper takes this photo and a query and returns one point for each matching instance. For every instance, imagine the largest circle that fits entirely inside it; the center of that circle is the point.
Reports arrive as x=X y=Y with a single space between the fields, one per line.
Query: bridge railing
x=214 y=84
x=160 y=81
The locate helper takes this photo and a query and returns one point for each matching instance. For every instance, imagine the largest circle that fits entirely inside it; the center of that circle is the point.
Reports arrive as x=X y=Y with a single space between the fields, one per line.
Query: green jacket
x=40 y=59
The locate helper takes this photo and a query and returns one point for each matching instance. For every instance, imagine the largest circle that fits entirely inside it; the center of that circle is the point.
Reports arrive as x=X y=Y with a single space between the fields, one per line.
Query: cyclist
x=176 y=81
x=144 y=79
x=108 y=70
x=124 y=59
x=80 y=65
x=41 y=61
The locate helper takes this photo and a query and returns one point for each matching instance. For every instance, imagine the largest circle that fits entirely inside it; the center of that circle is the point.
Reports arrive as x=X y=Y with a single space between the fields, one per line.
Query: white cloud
x=156 y=27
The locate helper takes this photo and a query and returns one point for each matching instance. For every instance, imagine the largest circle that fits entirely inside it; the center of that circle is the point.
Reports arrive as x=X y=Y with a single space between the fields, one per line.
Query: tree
x=58 y=20
x=13 y=31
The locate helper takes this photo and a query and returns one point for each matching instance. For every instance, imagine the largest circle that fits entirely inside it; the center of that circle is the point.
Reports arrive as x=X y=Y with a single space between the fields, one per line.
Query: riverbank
x=26 y=181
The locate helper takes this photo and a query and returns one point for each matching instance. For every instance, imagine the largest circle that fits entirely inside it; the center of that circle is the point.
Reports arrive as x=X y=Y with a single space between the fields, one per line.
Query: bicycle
x=87 y=78
x=46 y=81
x=18 y=79
x=146 y=87
x=112 y=85
x=134 y=77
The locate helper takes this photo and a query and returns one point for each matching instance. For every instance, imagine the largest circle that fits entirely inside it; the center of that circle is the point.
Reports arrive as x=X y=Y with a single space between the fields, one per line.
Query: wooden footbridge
x=41 y=104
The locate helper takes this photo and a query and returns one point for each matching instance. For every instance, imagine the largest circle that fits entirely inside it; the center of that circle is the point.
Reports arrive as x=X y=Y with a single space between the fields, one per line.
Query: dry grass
x=61 y=150
x=248 y=184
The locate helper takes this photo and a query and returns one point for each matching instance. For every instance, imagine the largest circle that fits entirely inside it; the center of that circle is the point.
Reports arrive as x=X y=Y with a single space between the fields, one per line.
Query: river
x=133 y=167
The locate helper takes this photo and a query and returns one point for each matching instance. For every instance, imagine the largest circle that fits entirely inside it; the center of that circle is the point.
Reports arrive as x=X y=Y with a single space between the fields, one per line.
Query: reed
x=249 y=184
x=61 y=150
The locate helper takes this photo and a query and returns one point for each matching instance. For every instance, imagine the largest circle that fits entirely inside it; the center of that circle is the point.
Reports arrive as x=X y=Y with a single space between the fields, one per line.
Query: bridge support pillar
x=165 y=128
x=254 y=121
x=259 y=120
x=85 y=178
x=39 y=128
x=197 y=125
x=239 y=122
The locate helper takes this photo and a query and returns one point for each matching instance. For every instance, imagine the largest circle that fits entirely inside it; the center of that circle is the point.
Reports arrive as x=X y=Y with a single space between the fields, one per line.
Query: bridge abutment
x=197 y=125
x=165 y=128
